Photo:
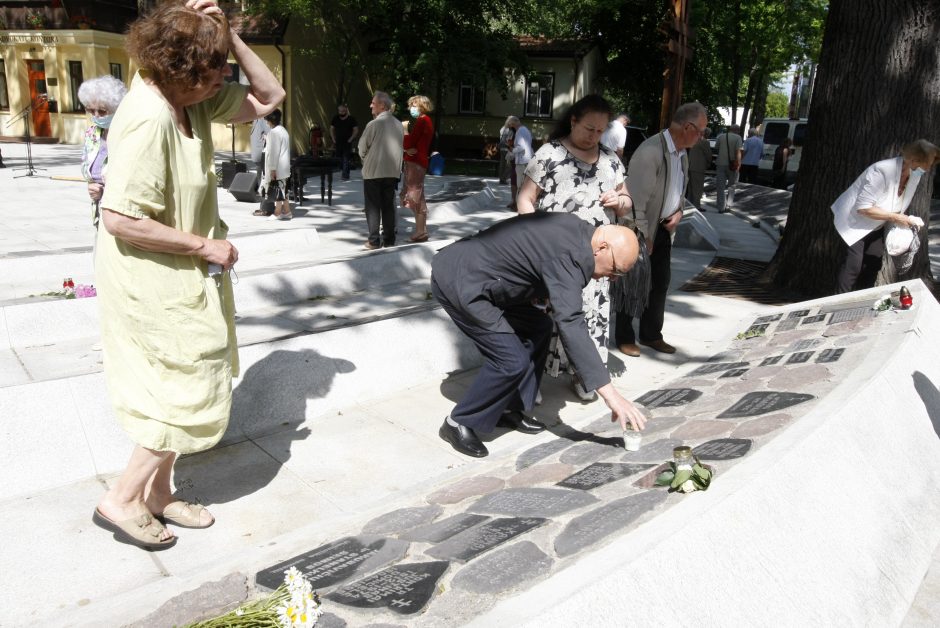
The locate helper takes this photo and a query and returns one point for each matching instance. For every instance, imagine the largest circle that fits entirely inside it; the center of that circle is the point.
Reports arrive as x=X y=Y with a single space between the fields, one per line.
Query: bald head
x=615 y=250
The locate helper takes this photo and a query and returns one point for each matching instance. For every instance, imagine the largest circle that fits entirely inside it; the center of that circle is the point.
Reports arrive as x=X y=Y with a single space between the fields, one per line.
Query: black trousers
x=513 y=363
x=380 y=209
x=748 y=174
x=862 y=262
x=344 y=153
x=651 y=322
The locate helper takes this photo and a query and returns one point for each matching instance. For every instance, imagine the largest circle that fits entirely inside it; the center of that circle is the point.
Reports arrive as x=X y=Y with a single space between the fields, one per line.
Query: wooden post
x=677 y=53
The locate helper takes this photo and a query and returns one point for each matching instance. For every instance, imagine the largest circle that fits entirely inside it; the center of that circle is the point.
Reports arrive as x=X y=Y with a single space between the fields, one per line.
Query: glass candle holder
x=632 y=440
x=682 y=456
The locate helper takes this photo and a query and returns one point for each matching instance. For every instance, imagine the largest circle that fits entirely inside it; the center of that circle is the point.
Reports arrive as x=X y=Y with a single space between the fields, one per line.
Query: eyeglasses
x=698 y=131
x=97 y=112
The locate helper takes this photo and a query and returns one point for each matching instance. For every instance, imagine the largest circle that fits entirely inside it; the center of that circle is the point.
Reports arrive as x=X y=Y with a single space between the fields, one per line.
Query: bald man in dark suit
x=489 y=283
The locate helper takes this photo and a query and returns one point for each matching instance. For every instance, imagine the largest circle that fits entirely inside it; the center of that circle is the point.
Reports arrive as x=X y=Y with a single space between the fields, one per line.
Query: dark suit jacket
x=540 y=255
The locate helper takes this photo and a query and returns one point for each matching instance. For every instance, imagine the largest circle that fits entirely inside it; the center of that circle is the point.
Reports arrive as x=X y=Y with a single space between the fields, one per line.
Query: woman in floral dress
x=573 y=172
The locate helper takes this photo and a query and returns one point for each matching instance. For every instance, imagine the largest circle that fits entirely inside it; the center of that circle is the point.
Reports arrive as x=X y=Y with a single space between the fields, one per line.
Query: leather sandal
x=419 y=238
x=141 y=531
x=184 y=515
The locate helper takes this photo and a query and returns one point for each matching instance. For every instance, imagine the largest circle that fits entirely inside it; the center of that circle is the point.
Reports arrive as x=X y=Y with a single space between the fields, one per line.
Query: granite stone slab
x=718 y=367
x=504 y=569
x=734 y=373
x=803 y=345
x=336 y=562
x=585 y=530
x=541 y=474
x=669 y=397
x=830 y=355
x=444 y=529
x=809 y=320
x=601 y=473
x=469 y=487
x=787 y=324
x=801 y=378
x=403 y=589
x=541 y=451
x=585 y=453
x=800 y=357
x=723 y=449
x=756 y=403
x=761 y=426
x=480 y=539
x=402 y=519
x=532 y=502
x=699 y=429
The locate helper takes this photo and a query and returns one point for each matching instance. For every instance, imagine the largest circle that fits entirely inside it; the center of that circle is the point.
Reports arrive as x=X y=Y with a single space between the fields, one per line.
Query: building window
x=4 y=98
x=116 y=71
x=539 y=95
x=472 y=99
x=76 y=78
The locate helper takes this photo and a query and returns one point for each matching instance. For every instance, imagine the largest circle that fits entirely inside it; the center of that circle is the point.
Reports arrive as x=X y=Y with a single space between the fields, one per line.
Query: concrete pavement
x=354 y=388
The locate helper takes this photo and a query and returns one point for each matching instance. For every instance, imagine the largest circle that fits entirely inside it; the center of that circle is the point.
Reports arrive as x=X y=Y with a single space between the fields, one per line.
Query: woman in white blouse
x=880 y=195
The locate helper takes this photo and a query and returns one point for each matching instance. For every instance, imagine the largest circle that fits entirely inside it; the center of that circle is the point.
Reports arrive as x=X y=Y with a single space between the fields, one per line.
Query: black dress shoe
x=515 y=420
x=463 y=440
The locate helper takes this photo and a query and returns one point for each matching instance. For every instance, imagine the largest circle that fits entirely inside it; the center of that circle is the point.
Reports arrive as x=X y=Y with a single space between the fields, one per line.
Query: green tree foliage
x=776 y=105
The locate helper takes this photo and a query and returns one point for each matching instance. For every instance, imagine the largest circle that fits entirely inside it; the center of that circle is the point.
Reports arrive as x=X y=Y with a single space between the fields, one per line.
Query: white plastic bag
x=899 y=239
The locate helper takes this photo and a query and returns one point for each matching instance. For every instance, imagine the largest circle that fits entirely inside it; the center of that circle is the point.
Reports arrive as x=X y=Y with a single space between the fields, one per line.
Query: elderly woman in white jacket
x=880 y=195
x=277 y=166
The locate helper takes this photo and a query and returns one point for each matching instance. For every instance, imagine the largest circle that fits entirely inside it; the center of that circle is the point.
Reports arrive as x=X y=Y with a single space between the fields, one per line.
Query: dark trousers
x=380 y=208
x=748 y=174
x=862 y=262
x=512 y=363
x=344 y=154
x=651 y=322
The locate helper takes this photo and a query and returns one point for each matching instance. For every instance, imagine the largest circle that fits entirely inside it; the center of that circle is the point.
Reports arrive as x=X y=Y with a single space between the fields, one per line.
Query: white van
x=774 y=130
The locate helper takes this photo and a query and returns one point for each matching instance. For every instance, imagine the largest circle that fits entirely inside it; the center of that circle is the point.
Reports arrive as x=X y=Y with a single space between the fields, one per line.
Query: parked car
x=774 y=131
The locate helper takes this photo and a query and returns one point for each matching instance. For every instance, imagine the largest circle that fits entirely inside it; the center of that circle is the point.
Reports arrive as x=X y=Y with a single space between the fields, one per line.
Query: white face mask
x=414 y=112
x=104 y=122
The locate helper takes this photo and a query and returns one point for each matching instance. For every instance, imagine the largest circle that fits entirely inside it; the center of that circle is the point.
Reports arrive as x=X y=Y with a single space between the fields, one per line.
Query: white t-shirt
x=676 y=178
x=615 y=137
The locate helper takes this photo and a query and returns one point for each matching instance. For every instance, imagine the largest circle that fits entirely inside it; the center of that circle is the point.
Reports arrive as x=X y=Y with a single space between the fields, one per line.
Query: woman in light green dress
x=167 y=312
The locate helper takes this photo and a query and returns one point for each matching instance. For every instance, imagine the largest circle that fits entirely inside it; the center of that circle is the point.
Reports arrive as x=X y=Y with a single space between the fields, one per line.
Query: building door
x=36 y=72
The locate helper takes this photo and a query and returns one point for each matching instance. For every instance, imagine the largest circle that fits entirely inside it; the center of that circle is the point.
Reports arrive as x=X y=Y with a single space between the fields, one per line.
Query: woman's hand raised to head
x=209 y=7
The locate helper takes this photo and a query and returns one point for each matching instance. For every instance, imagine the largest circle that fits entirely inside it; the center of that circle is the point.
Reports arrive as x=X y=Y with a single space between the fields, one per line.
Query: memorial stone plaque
x=706 y=369
x=788 y=324
x=722 y=449
x=402 y=519
x=484 y=537
x=337 y=561
x=757 y=329
x=798 y=314
x=441 y=530
x=845 y=316
x=800 y=358
x=669 y=397
x=726 y=356
x=771 y=360
x=612 y=518
x=803 y=345
x=769 y=318
x=541 y=451
x=830 y=355
x=504 y=569
x=814 y=319
x=601 y=473
x=656 y=451
x=734 y=373
x=532 y=502
x=756 y=403
x=403 y=589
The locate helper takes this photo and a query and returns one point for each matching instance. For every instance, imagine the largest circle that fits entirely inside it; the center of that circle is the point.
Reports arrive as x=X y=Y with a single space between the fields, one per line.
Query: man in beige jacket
x=659 y=172
x=380 y=148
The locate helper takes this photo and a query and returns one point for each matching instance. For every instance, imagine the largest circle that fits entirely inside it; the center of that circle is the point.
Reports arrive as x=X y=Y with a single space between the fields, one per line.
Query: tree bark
x=877 y=88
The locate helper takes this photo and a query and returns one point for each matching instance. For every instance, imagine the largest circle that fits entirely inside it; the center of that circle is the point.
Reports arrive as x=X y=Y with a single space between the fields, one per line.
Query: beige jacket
x=380 y=147
x=649 y=178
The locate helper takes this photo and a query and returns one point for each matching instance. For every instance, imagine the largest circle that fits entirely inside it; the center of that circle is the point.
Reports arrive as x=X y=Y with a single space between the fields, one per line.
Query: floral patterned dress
x=570 y=185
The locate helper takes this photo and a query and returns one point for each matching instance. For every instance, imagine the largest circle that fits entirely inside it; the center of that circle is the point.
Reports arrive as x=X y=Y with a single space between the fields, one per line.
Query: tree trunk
x=760 y=100
x=877 y=88
x=736 y=62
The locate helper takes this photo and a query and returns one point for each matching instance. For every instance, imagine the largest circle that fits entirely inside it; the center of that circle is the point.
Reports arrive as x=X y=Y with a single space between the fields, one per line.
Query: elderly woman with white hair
x=100 y=96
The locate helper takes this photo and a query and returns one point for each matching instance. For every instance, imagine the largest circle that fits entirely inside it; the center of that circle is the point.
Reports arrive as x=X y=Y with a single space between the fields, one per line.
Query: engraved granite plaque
x=803 y=345
x=771 y=360
x=441 y=530
x=845 y=316
x=601 y=473
x=484 y=537
x=800 y=358
x=788 y=324
x=756 y=403
x=798 y=314
x=722 y=449
x=532 y=502
x=757 y=329
x=769 y=318
x=337 y=561
x=734 y=373
x=830 y=355
x=669 y=397
x=706 y=369
x=403 y=589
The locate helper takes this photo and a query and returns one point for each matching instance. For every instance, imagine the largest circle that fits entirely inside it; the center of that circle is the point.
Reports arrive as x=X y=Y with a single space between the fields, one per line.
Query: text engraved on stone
x=755 y=403
x=734 y=373
x=800 y=358
x=403 y=589
x=601 y=473
x=475 y=541
x=723 y=449
x=669 y=397
x=798 y=314
x=814 y=319
x=830 y=355
x=844 y=316
x=787 y=324
x=771 y=360
x=705 y=369
x=768 y=319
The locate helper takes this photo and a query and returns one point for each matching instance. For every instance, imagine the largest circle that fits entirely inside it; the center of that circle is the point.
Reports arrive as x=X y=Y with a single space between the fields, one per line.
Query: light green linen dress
x=168 y=332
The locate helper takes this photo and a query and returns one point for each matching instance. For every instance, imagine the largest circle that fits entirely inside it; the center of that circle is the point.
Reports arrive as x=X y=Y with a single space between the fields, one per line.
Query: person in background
x=750 y=160
x=700 y=160
x=277 y=166
x=727 y=163
x=879 y=196
x=615 y=137
x=781 y=158
x=380 y=147
x=417 y=150
x=343 y=131
x=576 y=174
x=521 y=154
x=100 y=97
x=259 y=132
x=167 y=309
x=505 y=137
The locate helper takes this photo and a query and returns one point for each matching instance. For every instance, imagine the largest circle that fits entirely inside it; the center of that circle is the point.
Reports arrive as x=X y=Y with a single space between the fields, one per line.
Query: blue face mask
x=415 y=112
x=104 y=122
x=918 y=172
